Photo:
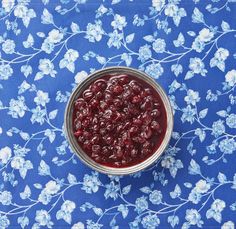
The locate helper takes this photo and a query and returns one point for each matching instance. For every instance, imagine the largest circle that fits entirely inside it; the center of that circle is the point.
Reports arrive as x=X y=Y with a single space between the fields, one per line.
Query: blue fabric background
x=47 y=47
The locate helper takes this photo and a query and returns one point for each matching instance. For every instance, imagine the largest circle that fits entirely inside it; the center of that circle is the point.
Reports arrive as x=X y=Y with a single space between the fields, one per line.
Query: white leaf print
x=149 y=38
x=203 y=113
x=221 y=177
x=26 y=194
x=71 y=178
x=38 y=186
x=197 y=16
x=126 y=189
x=43 y=168
x=129 y=38
x=29 y=42
x=47 y=17
x=74 y=27
x=225 y=26
x=53 y=114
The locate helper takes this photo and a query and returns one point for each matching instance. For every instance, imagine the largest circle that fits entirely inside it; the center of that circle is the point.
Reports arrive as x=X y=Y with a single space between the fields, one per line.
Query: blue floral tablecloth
x=48 y=46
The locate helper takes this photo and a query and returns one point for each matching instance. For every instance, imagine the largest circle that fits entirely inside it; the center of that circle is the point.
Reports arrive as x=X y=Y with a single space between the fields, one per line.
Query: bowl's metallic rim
x=110 y=170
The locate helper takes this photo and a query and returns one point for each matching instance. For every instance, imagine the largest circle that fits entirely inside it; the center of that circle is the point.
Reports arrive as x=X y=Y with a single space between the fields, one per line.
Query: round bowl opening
x=78 y=149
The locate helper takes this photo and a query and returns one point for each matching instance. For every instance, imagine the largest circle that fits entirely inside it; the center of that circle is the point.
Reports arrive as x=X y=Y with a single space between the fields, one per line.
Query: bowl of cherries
x=118 y=121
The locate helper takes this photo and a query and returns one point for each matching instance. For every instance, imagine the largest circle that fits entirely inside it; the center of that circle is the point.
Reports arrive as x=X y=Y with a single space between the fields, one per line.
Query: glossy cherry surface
x=119 y=121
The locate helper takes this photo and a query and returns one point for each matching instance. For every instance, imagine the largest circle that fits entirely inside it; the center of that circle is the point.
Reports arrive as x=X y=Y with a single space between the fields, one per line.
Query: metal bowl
x=79 y=151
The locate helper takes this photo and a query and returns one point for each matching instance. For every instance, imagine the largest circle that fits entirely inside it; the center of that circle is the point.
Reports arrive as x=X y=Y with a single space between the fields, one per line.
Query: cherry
x=110 y=127
x=117 y=102
x=127 y=94
x=145 y=152
x=148 y=132
x=108 y=139
x=80 y=103
x=78 y=133
x=147 y=105
x=94 y=155
x=125 y=135
x=113 y=157
x=117 y=116
x=86 y=112
x=127 y=125
x=95 y=139
x=123 y=79
x=133 y=110
x=120 y=142
x=136 y=99
x=137 y=122
x=80 y=139
x=108 y=97
x=134 y=153
x=124 y=162
x=143 y=95
x=95 y=128
x=133 y=130
x=117 y=89
x=99 y=95
x=155 y=113
x=113 y=108
x=141 y=139
x=102 y=124
x=103 y=132
x=117 y=164
x=96 y=148
x=98 y=159
x=94 y=103
x=87 y=145
x=119 y=153
x=87 y=135
x=95 y=120
x=146 y=145
x=128 y=143
x=94 y=88
x=148 y=91
x=119 y=129
x=103 y=105
x=105 y=151
x=127 y=154
x=160 y=131
x=126 y=110
x=87 y=95
x=114 y=80
x=77 y=124
x=157 y=104
x=101 y=84
x=79 y=116
x=149 y=98
x=155 y=125
x=85 y=123
x=108 y=114
x=146 y=118
x=135 y=86
x=123 y=116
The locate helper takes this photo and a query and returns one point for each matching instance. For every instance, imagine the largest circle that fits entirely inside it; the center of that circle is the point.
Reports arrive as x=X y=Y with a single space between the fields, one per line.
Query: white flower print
x=5 y=154
x=7 y=5
x=230 y=78
x=41 y=98
x=55 y=36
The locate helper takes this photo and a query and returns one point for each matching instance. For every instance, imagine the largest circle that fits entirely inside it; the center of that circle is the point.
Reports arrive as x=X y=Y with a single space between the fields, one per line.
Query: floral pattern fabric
x=47 y=47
